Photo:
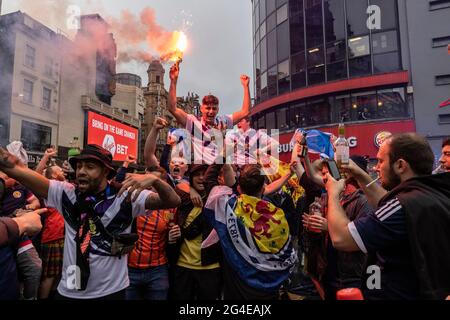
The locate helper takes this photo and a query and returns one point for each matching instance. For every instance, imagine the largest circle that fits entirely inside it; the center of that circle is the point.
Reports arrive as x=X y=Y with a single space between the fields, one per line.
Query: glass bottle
x=342 y=153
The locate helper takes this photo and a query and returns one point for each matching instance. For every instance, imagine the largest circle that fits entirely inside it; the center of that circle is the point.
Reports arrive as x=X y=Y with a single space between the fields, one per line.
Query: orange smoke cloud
x=130 y=31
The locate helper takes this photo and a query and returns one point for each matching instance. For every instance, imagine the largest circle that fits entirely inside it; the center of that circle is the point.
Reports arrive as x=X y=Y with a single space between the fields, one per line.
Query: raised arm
x=165 y=197
x=32 y=180
x=43 y=163
x=178 y=113
x=151 y=141
x=337 y=219
x=277 y=184
x=245 y=110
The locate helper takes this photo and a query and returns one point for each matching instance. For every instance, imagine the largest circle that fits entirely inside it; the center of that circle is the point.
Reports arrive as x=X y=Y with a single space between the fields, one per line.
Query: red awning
x=446 y=103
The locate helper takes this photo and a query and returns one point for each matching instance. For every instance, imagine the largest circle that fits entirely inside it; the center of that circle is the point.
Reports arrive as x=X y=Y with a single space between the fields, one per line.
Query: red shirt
x=150 y=249
x=53 y=226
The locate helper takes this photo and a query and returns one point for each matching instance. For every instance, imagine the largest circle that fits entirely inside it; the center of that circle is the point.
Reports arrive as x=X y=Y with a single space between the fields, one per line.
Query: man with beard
x=444 y=160
x=408 y=234
x=97 y=219
x=203 y=132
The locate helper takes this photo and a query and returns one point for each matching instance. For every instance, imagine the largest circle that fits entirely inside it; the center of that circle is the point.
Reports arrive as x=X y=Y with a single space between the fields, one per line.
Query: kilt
x=52 y=258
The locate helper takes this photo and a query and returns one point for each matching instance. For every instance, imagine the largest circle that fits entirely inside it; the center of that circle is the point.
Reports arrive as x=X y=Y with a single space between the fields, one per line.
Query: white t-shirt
x=108 y=274
x=244 y=145
x=206 y=145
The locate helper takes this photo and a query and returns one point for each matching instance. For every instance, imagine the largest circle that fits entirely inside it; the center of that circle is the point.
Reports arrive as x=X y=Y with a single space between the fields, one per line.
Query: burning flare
x=178 y=48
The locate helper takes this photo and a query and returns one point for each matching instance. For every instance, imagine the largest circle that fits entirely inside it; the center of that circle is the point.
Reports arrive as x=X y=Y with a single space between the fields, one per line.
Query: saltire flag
x=446 y=103
x=318 y=142
x=274 y=169
x=255 y=238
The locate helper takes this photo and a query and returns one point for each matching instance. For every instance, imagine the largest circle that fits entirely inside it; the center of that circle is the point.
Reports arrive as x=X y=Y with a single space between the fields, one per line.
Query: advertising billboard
x=119 y=139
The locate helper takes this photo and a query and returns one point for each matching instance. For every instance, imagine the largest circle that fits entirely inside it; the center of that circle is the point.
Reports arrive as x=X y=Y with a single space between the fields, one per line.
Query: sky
x=219 y=39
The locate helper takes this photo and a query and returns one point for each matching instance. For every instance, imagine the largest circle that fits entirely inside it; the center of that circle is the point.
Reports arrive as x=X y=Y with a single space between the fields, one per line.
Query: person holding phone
x=341 y=270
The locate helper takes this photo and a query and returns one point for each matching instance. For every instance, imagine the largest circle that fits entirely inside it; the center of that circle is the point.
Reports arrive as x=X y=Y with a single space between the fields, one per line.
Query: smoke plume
x=139 y=37
x=131 y=31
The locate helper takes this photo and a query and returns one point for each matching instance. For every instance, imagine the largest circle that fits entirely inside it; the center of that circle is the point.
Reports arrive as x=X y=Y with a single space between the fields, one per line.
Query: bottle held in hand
x=342 y=154
x=315 y=208
x=303 y=147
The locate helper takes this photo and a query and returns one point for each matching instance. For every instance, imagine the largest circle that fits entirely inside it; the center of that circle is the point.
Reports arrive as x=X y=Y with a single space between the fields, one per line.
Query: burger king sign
x=380 y=137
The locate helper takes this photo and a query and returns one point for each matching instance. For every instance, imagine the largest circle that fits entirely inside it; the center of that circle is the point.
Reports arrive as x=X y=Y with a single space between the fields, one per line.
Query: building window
x=271 y=22
x=439 y=4
x=263 y=29
x=444 y=118
x=284 y=82
x=359 y=51
x=442 y=80
x=257 y=16
x=295 y=7
x=141 y=117
x=282 y=14
x=344 y=110
x=48 y=69
x=258 y=90
x=319 y=112
x=270 y=121
x=298 y=71
x=281 y=2
x=272 y=82
x=365 y=103
x=391 y=103
x=282 y=123
x=46 y=98
x=264 y=86
x=125 y=111
x=158 y=79
x=264 y=55
x=28 y=91
x=337 y=70
x=271 y=6
x=334 y=20
x=441 y=42
x=385 y=49
x=316 y=74
x=261 y=122
x=388 y=11
x=357 y=17
x=314 y=25
x=358 y=47
x=283 y=41
x=297 y=34
x=257 y=62
x=384 y=42
x=272 y=49
x=35 y=137
x=297 y=116
x=30 y=56
x=315 y=56
x=336 y=51
x=388 y=62
x=262 y=10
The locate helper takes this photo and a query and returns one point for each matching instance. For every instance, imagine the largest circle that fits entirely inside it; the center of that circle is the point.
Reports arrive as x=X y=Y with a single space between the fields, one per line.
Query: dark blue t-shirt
x=384 y=234
x=15 y=197
x=9 y=283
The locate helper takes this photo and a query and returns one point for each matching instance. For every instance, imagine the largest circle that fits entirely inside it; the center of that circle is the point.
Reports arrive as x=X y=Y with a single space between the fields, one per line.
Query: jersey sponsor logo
x=17 y=194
